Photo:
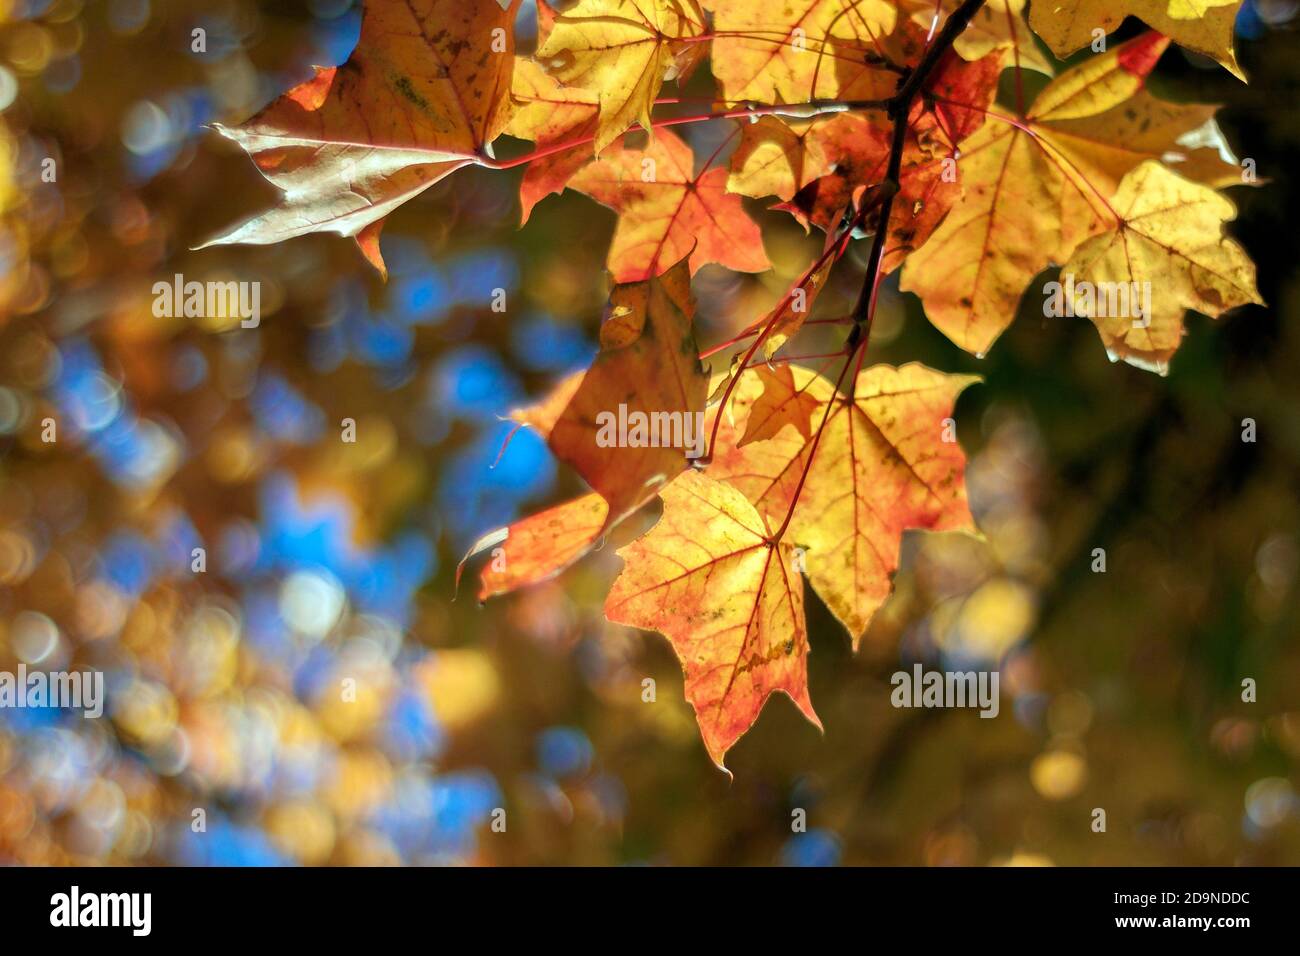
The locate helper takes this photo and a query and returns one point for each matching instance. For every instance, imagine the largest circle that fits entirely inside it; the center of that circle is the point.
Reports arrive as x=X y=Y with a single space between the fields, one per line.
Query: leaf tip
x=368 y=242
x=1140 y=55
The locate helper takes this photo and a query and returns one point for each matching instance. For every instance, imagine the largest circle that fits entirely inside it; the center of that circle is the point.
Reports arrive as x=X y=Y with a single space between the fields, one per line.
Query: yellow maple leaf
x=1203 y=26
x=775 y=158
x=551 y=115
x=887 y=461
x=622 y=51
x=802 y=49
x=1035 y=187
x=1167 y=249
x=997 y=25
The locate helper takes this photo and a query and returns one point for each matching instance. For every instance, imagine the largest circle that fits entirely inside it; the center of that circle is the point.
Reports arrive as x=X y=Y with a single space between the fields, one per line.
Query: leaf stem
x=833 y=249
x=817 y=437
x=741 y=336
x=795 y=110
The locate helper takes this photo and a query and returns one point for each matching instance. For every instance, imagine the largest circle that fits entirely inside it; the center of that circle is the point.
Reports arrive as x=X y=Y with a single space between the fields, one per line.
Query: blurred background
x=1121 y=690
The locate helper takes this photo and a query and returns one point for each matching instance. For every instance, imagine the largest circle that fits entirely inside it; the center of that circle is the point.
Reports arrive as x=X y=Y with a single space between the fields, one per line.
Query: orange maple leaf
x=550 y=114
x=728 y=599
x=667 y=212
x=648 y=366
x=537 y=548
x=781 y=403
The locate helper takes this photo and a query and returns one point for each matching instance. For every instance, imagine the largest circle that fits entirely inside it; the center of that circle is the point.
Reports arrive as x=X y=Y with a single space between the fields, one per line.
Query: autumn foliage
x=877 y=122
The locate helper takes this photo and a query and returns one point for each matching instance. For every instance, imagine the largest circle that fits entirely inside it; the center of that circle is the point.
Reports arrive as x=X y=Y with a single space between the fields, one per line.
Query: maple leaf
x=423 y=94
x=781 y=403
x=648 y=365
x=802 y=49
x=537 y=548
x=1034 y=188
x=858 y=148
x=1203 y=26
x=886 y=462
x=1110 y=143
x=855 y=147
x=622 y=51
x=997 y=25
x=775 y=158
x=550 y=114
x=667 y=212
x=542 y=416
x=1008 y=226
x=1168 y=234
x=728 y=599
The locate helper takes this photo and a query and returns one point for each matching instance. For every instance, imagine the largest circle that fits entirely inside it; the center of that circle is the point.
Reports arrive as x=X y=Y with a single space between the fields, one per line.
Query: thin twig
x=899 y=109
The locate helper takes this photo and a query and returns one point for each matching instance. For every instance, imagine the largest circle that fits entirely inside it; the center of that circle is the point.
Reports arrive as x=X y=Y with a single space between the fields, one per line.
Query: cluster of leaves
x=876 y=119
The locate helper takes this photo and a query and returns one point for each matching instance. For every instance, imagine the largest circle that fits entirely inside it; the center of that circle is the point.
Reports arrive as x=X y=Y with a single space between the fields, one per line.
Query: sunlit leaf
x=424 y=93
x=708 y=577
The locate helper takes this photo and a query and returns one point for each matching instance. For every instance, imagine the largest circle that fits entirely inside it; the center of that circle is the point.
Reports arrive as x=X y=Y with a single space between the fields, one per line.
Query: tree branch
x=952 y=28
x=899 y=106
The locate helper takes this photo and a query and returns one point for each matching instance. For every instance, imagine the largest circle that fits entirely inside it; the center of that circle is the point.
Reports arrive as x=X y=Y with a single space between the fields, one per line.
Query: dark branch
x=899 y=107
x=881 y=200
x=952 y=28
